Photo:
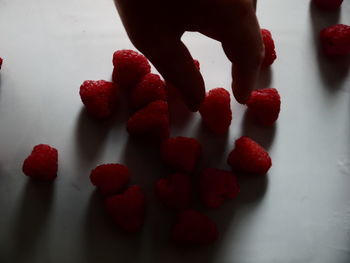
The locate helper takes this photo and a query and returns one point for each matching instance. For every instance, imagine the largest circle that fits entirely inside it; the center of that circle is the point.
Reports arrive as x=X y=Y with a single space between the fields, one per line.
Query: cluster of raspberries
x=126 y=204
x=147 y=95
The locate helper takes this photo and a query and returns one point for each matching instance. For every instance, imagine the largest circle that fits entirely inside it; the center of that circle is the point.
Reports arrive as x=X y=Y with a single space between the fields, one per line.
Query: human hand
x=155 y=28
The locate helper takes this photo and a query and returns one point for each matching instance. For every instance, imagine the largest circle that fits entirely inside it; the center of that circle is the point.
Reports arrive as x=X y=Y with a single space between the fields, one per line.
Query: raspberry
x=99 y=97
x=196 y=63
x=151 y=121
x=328 y=4
x=1 y=60
x=335 y=40
x=129 y=68
x=194 y=228
x=270 y=53
x=149 y=89
x=127 y=209
x=216 y=186
x=264 y=105
x=41 y=164
x=174 y=191
x=110 y=178
x=249 y=157
x=181 y=153
x=216 y=110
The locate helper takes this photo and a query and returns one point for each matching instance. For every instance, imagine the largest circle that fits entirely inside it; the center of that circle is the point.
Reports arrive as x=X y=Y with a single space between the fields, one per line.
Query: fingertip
x=243 y=81
x=240 y=95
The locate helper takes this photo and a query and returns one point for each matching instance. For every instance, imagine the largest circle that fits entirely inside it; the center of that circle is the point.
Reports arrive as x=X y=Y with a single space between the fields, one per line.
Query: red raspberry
x=181 y=153
x=129 y=68
x=110 y=178
x=174 y=191
x=127 y=209
x=264 y=105
x=216 y=110
x=99 y=97
x=196 y=63
x=149 y=89
x=249 y=157
x=41 y=164
x=151 y=121
x=216 y=186
x=1 y=62
x=194 y=228
x=335 y=40
x=270 y=53
x=328 y=4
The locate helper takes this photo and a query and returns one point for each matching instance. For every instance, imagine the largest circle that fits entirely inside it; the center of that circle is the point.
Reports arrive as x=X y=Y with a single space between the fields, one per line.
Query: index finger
x=242 y=43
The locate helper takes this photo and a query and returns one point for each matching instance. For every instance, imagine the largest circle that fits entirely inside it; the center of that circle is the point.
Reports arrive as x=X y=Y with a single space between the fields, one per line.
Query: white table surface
x=299 y=213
